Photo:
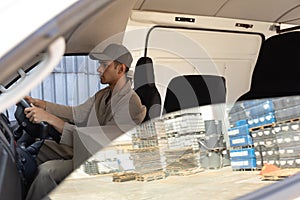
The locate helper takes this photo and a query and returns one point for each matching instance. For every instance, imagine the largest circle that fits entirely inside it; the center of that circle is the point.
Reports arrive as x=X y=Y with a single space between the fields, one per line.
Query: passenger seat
x=277 y=70
x=190 y=91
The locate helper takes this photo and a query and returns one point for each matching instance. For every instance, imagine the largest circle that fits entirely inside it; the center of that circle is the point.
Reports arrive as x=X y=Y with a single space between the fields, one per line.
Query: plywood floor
x=220 y=184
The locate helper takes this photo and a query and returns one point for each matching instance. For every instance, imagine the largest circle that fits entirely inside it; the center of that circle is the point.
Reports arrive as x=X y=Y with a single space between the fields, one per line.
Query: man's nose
x=100 y=69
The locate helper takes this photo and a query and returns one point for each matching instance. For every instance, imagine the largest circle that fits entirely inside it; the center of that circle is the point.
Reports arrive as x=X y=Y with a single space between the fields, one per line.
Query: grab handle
x=30 y=80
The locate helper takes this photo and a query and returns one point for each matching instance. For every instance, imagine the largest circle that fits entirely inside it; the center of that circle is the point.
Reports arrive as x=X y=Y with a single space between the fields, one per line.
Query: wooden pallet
x=280 y=174
x=246 y=169
x=262 y=127
x=124 y=176
x=151 y=176
x=289 y=121
x=274 y=124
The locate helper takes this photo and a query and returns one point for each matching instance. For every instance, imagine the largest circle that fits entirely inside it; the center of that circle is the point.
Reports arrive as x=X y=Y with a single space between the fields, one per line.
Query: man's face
x=108 y=72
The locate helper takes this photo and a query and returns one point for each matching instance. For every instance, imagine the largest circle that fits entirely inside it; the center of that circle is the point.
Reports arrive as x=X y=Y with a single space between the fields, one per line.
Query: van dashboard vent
x=185 y=19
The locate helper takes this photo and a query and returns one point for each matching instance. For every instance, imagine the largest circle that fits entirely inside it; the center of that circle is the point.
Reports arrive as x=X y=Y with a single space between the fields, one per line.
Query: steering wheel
x=40 y=130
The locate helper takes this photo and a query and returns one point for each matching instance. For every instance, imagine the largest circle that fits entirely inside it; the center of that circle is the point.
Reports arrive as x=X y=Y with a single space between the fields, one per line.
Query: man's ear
x=122 y=68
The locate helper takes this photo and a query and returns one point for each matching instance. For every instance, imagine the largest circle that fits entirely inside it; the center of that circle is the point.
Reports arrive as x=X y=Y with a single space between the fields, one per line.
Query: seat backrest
x=194 y=90
x=144 y=86
x=277 y=70
x=10 y=176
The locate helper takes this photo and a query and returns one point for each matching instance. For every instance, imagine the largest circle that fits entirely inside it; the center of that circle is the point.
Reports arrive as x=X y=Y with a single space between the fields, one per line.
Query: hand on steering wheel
x=38 y=129
x=36 y=102
x=35 y=115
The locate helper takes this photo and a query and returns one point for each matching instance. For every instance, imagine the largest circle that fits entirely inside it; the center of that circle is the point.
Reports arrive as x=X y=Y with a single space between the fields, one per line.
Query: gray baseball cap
x=114 y=52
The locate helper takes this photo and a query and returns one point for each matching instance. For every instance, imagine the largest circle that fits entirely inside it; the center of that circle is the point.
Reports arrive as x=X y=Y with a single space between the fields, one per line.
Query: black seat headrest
x=143 y=73
x=194 y=90
x=277 y=70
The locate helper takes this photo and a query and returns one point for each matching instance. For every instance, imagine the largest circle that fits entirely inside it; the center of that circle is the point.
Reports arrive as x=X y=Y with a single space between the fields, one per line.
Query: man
x=116 y=105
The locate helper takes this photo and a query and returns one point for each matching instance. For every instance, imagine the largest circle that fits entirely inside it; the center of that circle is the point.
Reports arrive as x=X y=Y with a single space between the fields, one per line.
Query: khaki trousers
x=55 y=164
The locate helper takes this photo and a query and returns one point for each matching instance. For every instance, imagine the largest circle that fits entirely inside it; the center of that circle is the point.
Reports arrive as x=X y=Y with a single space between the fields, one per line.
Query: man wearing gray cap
x=116 y=105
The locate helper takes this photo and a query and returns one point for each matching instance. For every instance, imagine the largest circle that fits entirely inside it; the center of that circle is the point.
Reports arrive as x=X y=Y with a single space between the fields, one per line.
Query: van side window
x=74 y=80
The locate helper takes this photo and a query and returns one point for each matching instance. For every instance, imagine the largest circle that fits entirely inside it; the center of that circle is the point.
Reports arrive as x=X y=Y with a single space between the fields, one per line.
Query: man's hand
x=37 y=115
x=36 y=102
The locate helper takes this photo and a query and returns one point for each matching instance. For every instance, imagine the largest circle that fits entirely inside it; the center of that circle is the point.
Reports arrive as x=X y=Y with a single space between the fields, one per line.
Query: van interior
x=219 y=80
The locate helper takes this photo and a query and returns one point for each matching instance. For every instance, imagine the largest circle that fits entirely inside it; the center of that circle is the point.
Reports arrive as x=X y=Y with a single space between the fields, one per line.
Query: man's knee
x=49 y=175
x=44 y=172
x=55 y=170
x=42 y=185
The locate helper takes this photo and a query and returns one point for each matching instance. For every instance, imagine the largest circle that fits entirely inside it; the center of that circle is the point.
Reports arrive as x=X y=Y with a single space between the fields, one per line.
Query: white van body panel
x=178 y=51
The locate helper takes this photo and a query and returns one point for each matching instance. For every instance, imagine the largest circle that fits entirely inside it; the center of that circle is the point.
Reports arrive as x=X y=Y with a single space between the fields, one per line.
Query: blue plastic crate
x=261 y=109
x=240 y=141
x=242 y=153
x=252 y=103
x=244 y=163
x=262 y=120
x=239 y=130
x=241 y=122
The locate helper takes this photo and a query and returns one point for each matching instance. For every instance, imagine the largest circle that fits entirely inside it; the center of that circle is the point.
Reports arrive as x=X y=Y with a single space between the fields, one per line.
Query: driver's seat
x=144 y=86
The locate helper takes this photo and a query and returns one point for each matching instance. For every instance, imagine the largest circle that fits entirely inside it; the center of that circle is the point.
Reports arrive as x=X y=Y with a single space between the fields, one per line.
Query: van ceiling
x=100 y=28
x=284 y=11
x=113 y=20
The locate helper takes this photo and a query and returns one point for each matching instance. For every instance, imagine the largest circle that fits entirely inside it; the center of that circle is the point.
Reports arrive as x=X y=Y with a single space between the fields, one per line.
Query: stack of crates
x=212 y=145
x=145 y=153
x=243 y=158
x=288 y=141
x=255 y=113
x=266 y=148
x=180 y=160
x=146 y=160
x=183 y=130
x=241 y=153
x=278 y=145
x=273 y=125
x=287 y=111
x=259 y=112
x=237 y=114
x=243 y=118
x=287 y=108
x=144 y=136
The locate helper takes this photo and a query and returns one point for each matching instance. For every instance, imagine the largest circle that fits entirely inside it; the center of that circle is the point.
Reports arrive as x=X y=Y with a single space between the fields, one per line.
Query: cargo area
x=182 y=155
